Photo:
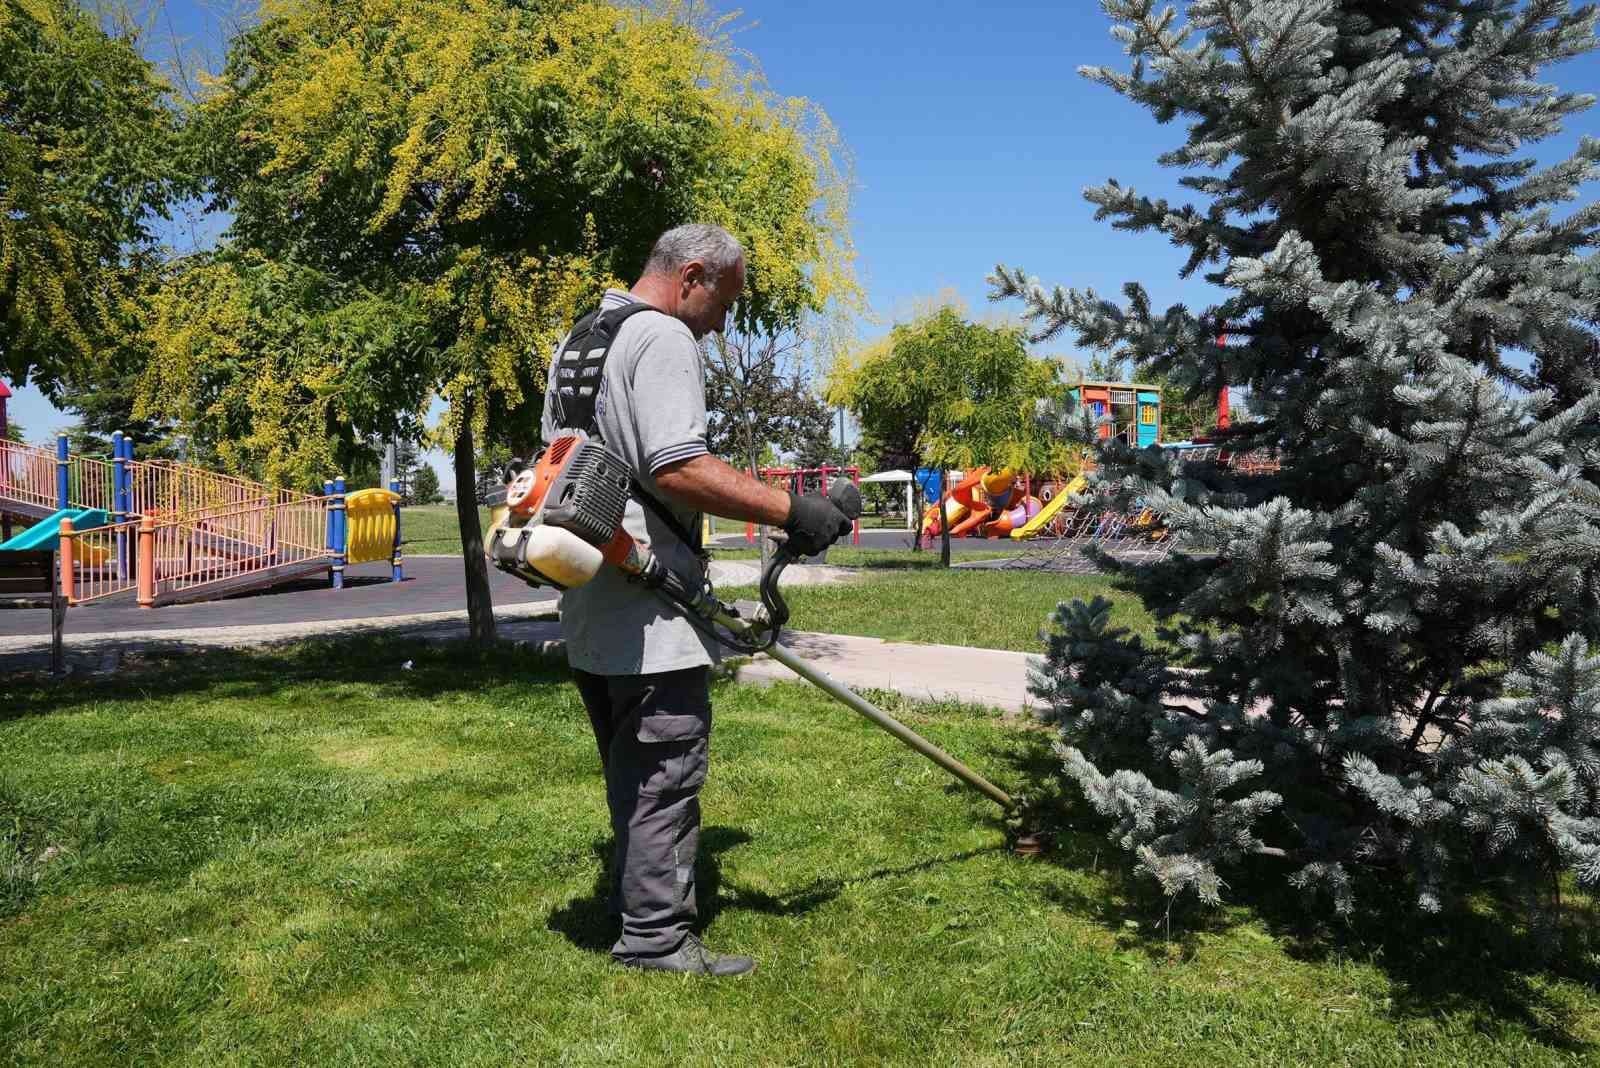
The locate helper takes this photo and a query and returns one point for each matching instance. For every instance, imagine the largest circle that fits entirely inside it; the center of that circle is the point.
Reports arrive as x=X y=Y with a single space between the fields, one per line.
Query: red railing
x=27 y=474
x=156 y=557
x=98 y=563
x=163 y=486
x=798 y=479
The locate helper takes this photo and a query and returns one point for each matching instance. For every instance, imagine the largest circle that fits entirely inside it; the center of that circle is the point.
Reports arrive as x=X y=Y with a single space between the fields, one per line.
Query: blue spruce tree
x=1392 y=641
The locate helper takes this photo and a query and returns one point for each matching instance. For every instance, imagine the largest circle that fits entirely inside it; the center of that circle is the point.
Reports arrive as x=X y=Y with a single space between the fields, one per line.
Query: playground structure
x=985 y=503
x=801 y=480
x=159 y=532
x=992 y=504
x=1127 y=410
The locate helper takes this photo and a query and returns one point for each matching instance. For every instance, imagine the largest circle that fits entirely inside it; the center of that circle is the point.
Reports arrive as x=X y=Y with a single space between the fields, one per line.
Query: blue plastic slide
x=46 y=534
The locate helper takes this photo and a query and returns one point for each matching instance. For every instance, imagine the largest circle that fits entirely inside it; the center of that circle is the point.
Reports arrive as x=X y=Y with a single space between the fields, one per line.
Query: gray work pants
x=654 y=735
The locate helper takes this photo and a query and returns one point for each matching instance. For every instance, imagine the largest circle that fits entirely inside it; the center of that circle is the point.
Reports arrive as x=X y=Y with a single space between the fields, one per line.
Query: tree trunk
x=919 y=505
x=480 y=607
x=762 y=542
x=944 y=522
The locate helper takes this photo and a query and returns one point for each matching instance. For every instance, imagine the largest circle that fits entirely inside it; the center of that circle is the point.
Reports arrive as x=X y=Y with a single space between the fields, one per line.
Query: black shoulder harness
x=580 y=368
x=582 y=362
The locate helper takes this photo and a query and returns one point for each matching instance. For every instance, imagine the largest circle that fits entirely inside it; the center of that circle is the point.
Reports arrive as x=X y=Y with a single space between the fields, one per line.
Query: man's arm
x=707 y=484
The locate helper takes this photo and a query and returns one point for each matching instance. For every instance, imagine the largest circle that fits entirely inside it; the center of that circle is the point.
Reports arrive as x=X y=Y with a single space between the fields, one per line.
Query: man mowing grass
x=630 y=374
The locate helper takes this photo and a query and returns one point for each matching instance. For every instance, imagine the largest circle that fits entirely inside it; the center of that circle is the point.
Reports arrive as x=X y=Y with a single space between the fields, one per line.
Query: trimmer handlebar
x=846 y=496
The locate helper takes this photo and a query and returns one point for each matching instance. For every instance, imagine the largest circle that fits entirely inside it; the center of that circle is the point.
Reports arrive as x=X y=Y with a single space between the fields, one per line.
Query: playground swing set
x=803 y=480
x=157 y=532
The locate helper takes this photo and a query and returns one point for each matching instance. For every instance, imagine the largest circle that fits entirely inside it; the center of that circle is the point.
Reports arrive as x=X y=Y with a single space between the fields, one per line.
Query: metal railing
x=98 y=563
x=157 y=557
x=174 y=527
x=91 y=483
x=27 y=475
x=168 y=487
x=30 y=474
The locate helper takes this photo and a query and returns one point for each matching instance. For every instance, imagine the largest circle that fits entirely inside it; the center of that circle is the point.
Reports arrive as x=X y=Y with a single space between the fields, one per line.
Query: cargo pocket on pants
x=677 y=749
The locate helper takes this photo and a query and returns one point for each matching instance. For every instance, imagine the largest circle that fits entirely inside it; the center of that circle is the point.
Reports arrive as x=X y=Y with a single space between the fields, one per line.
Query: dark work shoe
x=694 y=958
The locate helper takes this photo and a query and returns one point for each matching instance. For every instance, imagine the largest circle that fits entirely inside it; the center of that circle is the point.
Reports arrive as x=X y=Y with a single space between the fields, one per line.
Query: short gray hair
x=703 y=242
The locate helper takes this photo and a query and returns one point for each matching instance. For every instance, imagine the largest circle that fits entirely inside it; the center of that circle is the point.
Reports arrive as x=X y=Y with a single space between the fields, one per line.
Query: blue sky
x=972 y=137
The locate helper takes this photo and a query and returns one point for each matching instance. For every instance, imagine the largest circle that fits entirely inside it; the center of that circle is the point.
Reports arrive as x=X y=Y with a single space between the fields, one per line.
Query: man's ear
x=694 y=274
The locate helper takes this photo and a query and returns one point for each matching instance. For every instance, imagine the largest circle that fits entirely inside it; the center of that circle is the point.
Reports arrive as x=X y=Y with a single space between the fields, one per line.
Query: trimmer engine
x=563 y=517
x=577 y=485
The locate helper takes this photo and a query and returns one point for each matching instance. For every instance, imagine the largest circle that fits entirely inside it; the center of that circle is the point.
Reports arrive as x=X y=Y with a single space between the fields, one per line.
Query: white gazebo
x=897 y=476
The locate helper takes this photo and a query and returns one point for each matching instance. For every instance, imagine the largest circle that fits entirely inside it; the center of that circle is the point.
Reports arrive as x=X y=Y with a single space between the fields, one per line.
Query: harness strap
x=580 y=368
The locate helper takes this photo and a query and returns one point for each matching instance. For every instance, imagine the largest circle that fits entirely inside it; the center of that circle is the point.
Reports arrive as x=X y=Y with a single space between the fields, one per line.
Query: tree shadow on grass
x=897 y=563
x=1476 y=959
x=156 y=674
x=587 y=923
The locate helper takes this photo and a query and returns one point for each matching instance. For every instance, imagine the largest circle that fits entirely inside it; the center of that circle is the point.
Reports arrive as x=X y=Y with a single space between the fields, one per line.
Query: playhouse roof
x=1116 y=385
x=5 y=390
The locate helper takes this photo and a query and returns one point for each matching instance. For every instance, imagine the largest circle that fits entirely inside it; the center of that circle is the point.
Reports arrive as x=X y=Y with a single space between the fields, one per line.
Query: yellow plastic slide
x=1048 y=512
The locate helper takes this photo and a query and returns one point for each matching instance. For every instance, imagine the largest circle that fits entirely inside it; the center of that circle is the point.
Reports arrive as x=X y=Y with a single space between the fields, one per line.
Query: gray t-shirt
x=651 y=411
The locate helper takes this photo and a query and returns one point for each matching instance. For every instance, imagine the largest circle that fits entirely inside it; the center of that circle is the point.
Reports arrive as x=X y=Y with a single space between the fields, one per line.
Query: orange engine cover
x=527 y=491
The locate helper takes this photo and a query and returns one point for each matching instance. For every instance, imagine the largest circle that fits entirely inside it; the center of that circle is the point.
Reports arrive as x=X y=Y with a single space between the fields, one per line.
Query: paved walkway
x=993 y=677
x=94 y=643
x=433 y=584
x=433 y=589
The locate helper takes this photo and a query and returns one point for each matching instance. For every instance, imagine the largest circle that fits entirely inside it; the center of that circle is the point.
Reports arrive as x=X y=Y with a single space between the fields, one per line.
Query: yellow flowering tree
x=86 y=161
x=425 y=193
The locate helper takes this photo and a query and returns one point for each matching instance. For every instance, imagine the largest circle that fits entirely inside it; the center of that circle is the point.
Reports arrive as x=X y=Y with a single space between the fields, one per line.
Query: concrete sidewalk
x=991 y=677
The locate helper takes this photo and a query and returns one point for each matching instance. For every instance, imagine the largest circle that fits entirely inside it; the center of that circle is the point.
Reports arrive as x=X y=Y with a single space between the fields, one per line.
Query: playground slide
x=953 y=506
x=46 y=534
x=1048 y=512
x=975 y=519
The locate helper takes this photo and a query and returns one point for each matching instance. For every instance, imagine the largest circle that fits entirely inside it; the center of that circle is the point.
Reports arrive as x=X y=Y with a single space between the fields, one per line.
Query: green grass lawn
x=986 y=609
x=318 y=858
x=430 y=530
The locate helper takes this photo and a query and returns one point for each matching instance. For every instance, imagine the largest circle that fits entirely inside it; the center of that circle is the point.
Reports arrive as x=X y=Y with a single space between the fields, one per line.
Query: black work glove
x=814 y=523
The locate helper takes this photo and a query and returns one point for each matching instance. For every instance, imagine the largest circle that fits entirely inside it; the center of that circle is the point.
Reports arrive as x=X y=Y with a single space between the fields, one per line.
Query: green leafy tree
x=426 y=194
x=106 y=405
x=1353 y=620
x=15 y=433
x=953 y=394
x=423 y=485
x=87 y=163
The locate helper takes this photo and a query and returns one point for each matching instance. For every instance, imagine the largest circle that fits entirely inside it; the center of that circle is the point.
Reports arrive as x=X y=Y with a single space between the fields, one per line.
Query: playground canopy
x=896 y=476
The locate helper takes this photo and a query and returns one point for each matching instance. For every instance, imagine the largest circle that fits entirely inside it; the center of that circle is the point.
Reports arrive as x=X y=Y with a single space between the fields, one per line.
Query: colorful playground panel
x=1128 y=408
x=373 y=521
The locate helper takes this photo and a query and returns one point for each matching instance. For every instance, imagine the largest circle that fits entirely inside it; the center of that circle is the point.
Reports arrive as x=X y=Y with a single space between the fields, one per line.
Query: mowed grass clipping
x=956 y=606
x=321 y=858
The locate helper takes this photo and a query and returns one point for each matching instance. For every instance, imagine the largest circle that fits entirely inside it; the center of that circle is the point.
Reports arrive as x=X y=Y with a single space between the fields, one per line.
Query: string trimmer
x=562 y=522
